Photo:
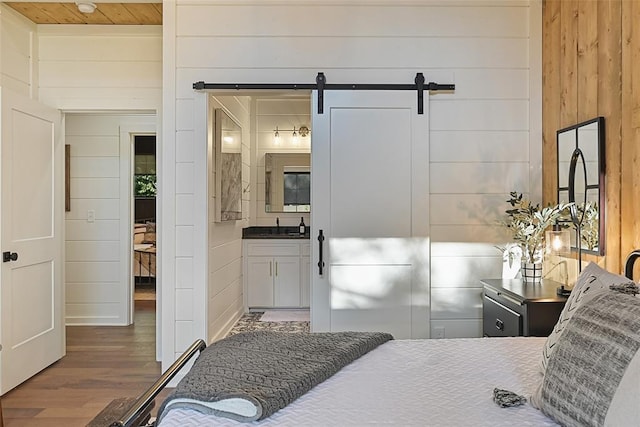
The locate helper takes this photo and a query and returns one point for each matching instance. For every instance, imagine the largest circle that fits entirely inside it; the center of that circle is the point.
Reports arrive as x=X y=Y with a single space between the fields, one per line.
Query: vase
x=511 y=261
x=531 y=272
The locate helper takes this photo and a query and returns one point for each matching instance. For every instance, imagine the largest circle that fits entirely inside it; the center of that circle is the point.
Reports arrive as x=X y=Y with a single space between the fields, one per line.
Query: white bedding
x=446 y=382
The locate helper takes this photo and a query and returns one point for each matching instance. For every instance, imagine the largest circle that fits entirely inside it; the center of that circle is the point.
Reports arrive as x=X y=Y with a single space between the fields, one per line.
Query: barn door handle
x=9 y=256
x=320 y=244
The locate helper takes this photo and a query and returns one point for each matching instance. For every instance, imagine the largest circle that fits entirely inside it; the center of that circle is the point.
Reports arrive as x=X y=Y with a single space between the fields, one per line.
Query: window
x=297 y=191
x=145 y=166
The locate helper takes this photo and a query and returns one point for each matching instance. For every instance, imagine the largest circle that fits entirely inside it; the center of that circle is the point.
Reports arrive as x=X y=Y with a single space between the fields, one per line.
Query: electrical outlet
x=438 y=332
x=91 y=215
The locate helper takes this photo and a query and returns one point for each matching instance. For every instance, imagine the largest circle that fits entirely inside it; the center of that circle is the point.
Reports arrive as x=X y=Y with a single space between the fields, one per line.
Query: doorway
x=271 y=124
x=99 y=224
x=144 y=214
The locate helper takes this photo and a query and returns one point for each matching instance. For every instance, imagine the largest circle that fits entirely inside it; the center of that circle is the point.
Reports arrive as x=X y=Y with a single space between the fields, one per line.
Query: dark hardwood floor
x=102 y=364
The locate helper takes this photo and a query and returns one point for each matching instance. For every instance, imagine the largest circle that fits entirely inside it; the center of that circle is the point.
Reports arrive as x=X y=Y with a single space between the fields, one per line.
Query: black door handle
x=321 y=261
x=9 y=256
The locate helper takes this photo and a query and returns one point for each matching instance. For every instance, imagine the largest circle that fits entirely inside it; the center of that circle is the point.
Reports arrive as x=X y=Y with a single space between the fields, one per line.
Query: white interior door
x=31 y=209
x=370 y=198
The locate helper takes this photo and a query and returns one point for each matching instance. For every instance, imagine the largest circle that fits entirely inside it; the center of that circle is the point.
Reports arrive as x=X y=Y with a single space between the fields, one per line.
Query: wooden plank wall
x=630 y=129
x=589 y=49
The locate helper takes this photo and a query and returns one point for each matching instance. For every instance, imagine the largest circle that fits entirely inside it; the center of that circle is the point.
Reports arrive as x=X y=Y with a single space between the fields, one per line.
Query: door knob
x=9 y=256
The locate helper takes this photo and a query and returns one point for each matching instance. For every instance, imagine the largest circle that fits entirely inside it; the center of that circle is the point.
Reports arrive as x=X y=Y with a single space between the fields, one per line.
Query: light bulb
x=557 y=241
x=276 y=137
x=295 y=137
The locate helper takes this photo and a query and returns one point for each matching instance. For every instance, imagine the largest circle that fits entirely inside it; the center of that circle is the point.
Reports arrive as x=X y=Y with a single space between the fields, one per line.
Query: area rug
x=251 y=322
x=285 y=316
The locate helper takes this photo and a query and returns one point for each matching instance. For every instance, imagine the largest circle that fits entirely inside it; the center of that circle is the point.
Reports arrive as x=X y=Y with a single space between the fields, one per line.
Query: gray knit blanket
x=249 y=376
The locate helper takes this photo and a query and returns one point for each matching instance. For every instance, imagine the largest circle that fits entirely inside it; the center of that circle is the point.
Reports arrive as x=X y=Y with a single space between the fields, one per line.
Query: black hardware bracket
x=321 y=85
x=320 y=82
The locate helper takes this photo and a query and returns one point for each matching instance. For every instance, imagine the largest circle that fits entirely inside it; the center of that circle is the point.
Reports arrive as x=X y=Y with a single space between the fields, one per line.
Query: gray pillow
x=593 y=374
x=590 y=282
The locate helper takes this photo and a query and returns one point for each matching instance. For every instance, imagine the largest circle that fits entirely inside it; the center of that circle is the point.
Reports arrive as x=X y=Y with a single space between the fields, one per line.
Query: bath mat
x=285 y=316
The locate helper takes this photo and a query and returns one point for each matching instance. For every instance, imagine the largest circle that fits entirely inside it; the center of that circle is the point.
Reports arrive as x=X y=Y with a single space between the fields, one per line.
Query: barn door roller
x=321 y=85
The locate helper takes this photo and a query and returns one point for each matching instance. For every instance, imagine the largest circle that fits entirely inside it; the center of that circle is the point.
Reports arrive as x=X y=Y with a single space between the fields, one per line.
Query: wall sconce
x=86 y=7
x=302 y=131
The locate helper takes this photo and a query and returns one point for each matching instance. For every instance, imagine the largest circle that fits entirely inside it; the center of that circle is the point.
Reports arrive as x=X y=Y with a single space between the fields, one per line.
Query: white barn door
x=370 y=199
x=31 y=210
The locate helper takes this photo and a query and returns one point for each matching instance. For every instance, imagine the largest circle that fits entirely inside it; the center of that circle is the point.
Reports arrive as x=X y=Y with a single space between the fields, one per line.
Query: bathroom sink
x=267 y=232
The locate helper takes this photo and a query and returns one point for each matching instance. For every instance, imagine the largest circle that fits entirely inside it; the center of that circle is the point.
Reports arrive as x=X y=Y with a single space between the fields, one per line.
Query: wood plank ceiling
x=105 y=13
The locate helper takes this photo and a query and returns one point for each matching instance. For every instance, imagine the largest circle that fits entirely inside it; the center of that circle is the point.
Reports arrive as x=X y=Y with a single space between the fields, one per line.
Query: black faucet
x=277 y=225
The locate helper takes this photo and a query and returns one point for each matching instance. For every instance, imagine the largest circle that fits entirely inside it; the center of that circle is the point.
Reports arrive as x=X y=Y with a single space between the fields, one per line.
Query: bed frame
x=139 y=413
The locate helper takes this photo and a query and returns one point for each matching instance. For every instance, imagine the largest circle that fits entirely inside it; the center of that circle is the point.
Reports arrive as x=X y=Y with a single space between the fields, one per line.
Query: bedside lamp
x=558 y=243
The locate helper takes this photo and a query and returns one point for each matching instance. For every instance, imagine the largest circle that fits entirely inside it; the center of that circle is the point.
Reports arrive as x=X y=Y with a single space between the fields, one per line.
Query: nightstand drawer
x=500 y=321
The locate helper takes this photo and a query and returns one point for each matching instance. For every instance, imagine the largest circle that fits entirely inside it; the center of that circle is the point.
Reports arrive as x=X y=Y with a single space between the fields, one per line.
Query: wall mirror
x=228 y=159
x=287 y=182
x=581 y=171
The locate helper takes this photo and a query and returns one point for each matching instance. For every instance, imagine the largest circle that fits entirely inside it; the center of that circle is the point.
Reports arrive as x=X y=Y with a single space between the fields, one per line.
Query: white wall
x=285 y=112
x=485 y=142
x=18 y=48
x=97 y=68
x=97 y=285
x=87 y=67
x=482 y=135
x=115 y=73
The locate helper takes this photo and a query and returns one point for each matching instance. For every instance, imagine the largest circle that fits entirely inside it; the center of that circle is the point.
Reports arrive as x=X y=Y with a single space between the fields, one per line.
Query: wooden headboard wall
x=589 y=51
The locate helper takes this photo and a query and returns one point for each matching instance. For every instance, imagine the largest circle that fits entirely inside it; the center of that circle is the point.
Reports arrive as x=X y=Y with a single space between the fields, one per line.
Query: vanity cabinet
x=305 y=280
x=273 y=273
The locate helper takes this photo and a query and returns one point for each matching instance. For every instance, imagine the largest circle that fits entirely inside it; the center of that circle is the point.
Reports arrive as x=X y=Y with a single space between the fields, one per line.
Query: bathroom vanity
x=276 y=268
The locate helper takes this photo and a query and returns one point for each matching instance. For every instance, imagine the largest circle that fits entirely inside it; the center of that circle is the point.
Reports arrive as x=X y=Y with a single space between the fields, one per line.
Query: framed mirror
x=228 y=160
x=581 y=172
x=287 y=179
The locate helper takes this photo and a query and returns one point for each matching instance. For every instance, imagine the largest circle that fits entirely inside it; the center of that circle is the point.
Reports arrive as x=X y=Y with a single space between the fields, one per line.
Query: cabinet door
x=287 y=281
x=305 y=281
x=260 y=271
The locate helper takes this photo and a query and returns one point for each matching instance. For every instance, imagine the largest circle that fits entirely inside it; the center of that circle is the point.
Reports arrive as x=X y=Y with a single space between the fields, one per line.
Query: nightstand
x=512 y=308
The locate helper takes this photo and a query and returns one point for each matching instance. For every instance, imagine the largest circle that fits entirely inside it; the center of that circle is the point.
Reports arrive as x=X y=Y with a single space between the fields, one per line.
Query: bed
x=411 y=383
x=586 y=373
